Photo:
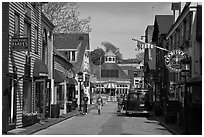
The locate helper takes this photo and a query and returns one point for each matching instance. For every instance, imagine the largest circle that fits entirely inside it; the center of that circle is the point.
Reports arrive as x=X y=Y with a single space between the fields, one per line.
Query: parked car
x=137 y=102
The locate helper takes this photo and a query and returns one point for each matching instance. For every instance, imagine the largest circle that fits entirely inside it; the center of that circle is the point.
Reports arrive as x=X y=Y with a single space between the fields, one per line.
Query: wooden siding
x=49 y=46
x=59 y=67
x=19 y=56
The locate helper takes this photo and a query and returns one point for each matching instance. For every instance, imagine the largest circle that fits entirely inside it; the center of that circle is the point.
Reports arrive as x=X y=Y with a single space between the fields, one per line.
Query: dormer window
x=110 y=57
x=70 y=55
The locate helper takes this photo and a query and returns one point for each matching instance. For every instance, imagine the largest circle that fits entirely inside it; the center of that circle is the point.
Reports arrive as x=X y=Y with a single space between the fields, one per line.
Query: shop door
x=39 y=98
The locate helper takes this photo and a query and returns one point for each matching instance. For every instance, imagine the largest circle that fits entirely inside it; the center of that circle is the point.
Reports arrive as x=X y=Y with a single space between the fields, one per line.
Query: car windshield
x=137 y=96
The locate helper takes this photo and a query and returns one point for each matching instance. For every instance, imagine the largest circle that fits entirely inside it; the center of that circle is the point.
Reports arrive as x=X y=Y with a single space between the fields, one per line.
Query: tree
x=65 y=16
x=140 y=56
x=97 y=56
x=109 y=46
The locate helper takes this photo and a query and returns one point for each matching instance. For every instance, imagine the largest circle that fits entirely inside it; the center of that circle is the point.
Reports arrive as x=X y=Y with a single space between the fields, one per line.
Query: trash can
x=55 y=110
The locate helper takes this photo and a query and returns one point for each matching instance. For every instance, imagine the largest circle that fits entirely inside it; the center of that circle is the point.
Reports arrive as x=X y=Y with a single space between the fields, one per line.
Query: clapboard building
x=25 y=57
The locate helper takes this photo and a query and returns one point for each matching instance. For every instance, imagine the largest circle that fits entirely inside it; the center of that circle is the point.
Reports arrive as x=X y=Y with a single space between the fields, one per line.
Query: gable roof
x=164 y=23
x=75 y=41
x=65 y=63
x=56 y=52
x=70 y=40
x=110 y=54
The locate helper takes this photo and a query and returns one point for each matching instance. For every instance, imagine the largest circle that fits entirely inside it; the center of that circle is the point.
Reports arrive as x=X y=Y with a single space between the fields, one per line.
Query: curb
x=41 y=127
x=34 y=131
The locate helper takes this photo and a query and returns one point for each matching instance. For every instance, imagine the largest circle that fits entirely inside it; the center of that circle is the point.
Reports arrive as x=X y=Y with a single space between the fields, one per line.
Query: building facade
x=162 y=24
x=24 y=53
x=111 y=79
x=150 y=64
x=64 y=85
x=186 y=35
x=75 y=47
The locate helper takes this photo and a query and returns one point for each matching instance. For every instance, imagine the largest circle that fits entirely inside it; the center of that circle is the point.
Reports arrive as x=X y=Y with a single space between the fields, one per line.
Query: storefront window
x=60 y=96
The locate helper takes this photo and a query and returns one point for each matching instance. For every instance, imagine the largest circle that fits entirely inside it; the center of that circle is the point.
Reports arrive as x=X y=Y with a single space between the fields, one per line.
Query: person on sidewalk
x=99 y=104
x=85 y=100
x=120 y=104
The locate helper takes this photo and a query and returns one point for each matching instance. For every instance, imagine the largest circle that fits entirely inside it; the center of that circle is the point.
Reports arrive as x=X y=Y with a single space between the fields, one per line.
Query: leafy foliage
x=109 y=46
x=65 y=16
x=140 y=56
x=97 y=56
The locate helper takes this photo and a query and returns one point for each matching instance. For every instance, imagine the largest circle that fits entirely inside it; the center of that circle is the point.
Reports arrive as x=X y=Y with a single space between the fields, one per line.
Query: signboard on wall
x=173 y=60
x=19 y=43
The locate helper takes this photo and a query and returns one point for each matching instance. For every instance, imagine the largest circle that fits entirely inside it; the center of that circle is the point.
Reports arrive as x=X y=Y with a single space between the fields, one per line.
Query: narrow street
x=108 y=123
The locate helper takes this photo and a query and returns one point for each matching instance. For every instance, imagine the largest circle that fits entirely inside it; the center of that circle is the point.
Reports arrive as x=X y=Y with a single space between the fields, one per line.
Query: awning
x=110 y=85
x=40 y=69
x=58 y=76
x=72 y=81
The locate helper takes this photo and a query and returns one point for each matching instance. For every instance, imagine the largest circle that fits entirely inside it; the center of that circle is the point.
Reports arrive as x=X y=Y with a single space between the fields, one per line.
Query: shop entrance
x=12 y=104
x=42 y=98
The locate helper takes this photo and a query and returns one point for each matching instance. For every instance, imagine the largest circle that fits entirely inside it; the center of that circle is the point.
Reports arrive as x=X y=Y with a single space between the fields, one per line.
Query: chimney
x=176 y=7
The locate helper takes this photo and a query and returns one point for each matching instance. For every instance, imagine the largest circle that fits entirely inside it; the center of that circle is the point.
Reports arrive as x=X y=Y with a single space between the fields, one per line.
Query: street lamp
x=185 y=73
x=80 y=79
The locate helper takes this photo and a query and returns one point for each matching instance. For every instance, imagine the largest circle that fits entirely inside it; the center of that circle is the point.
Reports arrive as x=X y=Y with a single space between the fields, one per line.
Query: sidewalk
x=48 y=122
x=175 y=129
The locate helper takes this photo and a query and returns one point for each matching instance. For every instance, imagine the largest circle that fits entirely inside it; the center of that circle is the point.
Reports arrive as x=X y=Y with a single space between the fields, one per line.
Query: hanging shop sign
x=19 y=43
x=173 y=60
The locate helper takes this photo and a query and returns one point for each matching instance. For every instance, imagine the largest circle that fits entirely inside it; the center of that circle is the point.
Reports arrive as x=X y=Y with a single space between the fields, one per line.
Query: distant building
x=135 y=74
x=110 y=78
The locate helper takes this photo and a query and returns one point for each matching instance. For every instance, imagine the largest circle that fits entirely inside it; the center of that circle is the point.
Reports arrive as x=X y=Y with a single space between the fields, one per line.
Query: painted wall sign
x=19 y=43
x=173 y=60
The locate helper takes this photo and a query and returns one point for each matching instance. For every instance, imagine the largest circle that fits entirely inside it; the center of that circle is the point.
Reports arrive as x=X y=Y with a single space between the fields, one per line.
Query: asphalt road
x=108 y=123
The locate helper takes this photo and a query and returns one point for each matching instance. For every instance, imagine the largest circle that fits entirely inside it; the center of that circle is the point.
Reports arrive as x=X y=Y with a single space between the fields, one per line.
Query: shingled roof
x=70 y=40
x=112 y=66
x=79 y=42
x=110 y=53
x=164 y=22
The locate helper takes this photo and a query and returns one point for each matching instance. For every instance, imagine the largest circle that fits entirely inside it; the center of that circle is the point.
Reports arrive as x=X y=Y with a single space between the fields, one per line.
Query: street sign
x=19 y=43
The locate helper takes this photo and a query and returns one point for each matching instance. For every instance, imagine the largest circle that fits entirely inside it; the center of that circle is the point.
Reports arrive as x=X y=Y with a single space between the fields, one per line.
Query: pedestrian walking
x=120 y=104
x=99 y=104
x=85 y=101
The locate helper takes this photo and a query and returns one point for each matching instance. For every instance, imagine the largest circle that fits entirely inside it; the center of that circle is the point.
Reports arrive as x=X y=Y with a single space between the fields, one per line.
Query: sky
x=119 y=22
